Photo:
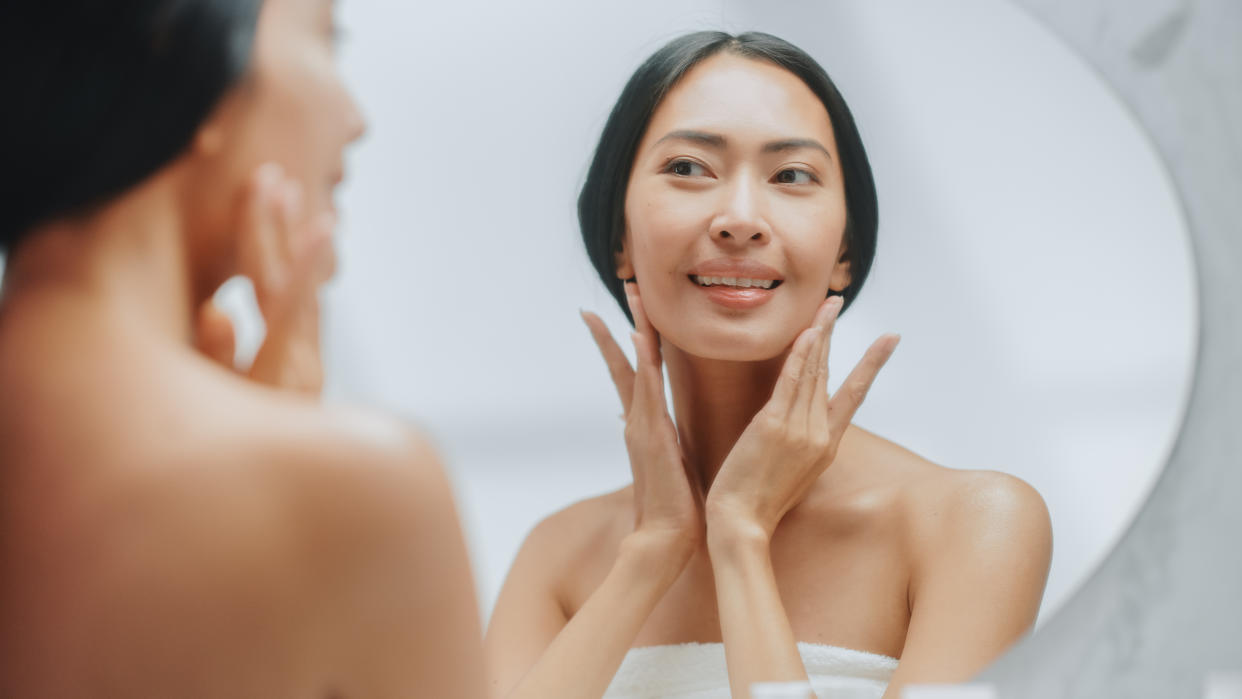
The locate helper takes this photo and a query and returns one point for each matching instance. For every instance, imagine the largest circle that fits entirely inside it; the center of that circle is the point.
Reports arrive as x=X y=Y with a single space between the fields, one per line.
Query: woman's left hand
x=794 y=437
x=288 y=258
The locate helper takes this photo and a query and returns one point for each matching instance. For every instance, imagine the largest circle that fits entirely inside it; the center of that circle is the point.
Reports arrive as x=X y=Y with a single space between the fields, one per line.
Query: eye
x=684 y=168
x=795 y=176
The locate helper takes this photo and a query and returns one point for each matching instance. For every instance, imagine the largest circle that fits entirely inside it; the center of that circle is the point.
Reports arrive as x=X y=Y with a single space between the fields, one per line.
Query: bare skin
x=171 y=527
x=760 y=516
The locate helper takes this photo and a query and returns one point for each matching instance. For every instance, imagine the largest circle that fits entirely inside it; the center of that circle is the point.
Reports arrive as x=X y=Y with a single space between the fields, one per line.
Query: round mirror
x=1031 y=252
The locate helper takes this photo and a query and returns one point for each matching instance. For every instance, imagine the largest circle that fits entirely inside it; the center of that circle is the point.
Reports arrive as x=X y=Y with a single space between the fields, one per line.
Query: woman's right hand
x=667 y=501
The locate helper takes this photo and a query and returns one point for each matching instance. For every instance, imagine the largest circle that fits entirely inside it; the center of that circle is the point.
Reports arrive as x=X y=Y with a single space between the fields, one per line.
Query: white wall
x=1031 y=251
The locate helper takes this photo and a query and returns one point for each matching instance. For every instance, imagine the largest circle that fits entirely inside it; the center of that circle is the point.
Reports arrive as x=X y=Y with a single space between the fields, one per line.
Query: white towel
x=698 y=671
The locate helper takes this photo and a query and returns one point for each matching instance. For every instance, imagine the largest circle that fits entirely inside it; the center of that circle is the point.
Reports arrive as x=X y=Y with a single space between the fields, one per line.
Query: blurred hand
x=287 y=257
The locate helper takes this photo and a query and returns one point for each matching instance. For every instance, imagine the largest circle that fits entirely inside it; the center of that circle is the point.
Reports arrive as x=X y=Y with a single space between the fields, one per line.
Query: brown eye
x=684 y=168
x=794 y=176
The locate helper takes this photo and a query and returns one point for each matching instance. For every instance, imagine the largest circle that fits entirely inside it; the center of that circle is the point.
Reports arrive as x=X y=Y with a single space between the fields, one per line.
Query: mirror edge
x=1163 y=611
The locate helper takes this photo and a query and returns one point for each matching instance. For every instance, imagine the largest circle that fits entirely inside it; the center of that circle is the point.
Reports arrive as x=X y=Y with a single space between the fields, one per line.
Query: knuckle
x=857 y=392
x=773 y=427
x=819 y=443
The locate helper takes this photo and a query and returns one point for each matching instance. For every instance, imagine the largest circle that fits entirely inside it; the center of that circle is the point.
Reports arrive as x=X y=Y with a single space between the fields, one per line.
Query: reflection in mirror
x=1030 y=252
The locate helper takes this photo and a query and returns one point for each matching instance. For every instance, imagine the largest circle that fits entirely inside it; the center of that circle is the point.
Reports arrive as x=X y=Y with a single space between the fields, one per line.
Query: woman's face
x=291 y=108
x=735 y=212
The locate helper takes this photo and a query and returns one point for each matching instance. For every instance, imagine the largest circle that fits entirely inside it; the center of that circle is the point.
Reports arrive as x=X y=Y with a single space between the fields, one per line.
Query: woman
x=730 y=194
x=169 y=528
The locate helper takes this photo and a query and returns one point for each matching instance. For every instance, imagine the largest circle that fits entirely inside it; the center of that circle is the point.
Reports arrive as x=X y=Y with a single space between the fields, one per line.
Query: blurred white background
x=1032 y=251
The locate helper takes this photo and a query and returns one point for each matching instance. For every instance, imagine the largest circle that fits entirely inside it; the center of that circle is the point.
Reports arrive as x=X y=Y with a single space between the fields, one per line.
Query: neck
x=128 y=261
x=714 y=401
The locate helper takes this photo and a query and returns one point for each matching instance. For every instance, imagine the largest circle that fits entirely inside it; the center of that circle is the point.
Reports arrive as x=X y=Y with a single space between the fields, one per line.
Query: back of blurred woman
x=169 y=526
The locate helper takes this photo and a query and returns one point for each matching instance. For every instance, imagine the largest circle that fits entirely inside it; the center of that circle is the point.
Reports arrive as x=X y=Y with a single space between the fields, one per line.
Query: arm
x=979 y=579
x=534 y=651
x=759 y=642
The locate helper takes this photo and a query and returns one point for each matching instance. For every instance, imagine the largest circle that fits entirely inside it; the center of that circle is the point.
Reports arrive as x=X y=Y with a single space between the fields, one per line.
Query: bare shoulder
x=939 y=499
x=940 y=506
x=978 y=506
x=271 y=528
x=592 y=525
x=568 y=552
x=975 y=519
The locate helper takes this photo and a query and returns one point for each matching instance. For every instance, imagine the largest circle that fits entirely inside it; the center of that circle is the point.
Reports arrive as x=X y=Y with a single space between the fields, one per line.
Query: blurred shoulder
x=351 y=467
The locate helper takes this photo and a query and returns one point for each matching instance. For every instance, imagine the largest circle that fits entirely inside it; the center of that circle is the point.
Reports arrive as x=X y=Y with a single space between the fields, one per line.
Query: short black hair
x=101 y=95
x=601 y=204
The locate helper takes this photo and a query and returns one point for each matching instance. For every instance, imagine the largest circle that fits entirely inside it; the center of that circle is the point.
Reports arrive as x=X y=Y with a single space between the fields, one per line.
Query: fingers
x=643 y=326
x=263 y=250
x=284 y=254
x=618 y=364
x=787 y=385
x=649 y=371
x=287 y=255
x=815 y=402
x=849 y=397
x=812 y=386
x=318 y=254
x=214 y=335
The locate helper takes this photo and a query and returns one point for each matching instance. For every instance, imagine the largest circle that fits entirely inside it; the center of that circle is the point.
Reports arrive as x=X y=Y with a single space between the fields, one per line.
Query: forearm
x=758 y=640
x=583 y=658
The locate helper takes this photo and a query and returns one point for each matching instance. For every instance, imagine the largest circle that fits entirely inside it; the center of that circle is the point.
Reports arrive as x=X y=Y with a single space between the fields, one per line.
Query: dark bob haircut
x=601 y=204
x=101 y=95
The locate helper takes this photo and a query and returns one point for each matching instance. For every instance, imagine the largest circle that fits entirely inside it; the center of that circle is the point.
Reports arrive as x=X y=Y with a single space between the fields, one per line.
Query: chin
x=732 y=346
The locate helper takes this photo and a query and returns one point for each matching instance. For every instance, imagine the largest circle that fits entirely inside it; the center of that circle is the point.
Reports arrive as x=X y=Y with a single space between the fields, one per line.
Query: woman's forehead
x=741 y=97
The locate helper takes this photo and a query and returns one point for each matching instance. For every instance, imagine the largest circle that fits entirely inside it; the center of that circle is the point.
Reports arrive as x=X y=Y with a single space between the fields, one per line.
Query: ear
x=209 y=140
x=841 y=276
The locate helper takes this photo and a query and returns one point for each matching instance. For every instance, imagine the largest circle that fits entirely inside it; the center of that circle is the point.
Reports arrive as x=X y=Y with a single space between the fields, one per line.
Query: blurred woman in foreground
x=169 y=528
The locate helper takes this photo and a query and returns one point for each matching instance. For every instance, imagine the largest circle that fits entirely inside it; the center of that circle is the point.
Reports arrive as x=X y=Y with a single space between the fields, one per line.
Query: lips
x=736 y=284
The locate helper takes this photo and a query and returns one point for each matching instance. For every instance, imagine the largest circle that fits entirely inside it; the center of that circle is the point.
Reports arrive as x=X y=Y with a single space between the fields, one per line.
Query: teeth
x=738 y=282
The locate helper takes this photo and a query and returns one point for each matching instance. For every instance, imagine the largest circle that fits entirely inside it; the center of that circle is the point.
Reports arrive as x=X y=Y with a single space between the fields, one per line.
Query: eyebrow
x=795 y=144
x=713 y=140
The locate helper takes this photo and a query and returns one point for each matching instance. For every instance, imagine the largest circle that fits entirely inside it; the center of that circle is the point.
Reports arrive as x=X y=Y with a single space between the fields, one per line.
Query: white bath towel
x=698 y=671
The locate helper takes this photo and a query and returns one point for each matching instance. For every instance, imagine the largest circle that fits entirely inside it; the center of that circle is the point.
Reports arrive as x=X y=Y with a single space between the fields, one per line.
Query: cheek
x=813 y=236
x=296 y=115
x=663 y=228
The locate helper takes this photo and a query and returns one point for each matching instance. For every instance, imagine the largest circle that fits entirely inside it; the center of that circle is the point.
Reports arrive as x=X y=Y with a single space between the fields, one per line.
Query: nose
x=741 y=220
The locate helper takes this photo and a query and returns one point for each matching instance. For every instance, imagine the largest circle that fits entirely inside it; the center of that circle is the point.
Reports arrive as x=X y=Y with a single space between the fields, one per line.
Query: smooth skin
x=760 y=516
x=171 y=526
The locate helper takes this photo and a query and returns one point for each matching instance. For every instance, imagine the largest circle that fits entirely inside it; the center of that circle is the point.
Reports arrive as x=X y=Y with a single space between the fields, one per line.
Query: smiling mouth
x=735 y=282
